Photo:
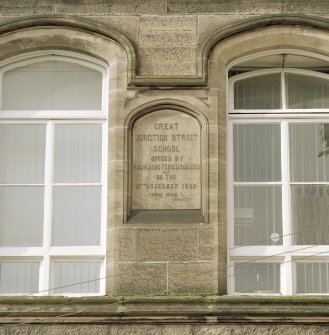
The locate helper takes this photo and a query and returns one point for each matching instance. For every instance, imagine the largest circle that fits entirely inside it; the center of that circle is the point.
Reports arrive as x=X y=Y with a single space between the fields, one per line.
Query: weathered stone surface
x=141 y=278
x=305 y=7
x=167 y=45
x=259 y=330
x=167 y=23
x=144 y=7
x=164 y=54
x=127 y=24
x=82 y=7
x=125 y=245
x=166 y=244
x=136 y=330
x=224 y=6
x=166 y=167
x=159 y=329
x=195 y=277
x=103 y=7
x=210 y=24
x=21 y=7
x=151 y=330
x=177 y=330
x=169 y=39
x=54 y=330
x=207 y=245
x=166 y=69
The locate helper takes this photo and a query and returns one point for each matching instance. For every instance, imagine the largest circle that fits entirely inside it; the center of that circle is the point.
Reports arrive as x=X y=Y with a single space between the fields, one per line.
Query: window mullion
x=45 y=278
x=283 y=90
x=230 y=205
x=287 y=265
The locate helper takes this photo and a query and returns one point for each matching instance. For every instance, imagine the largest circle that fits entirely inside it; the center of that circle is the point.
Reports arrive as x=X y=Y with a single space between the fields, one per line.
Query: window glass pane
x=19 y=277
x=257 y=152
x=310 y=211
x=261 y=92
x=78 y=153
x=309 y=152
x=77 y=277
x=76 y=215
x=312 y=277
x=52 y=85
x=257 y=277
x=21 y=216
x=306 y=92
x=257 y=215
x=22 y=153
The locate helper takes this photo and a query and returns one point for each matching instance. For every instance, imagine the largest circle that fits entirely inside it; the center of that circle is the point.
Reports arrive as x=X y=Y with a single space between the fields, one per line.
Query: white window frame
x=47 y=254
x=285 y=254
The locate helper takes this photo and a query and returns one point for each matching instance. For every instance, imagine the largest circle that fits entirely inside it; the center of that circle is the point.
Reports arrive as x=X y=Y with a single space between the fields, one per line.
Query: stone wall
x=163 y=253
x=168 y=33
x=162 y=330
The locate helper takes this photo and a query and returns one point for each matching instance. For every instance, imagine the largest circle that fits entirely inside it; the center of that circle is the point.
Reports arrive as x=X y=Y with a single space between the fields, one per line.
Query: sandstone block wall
x=154 y=256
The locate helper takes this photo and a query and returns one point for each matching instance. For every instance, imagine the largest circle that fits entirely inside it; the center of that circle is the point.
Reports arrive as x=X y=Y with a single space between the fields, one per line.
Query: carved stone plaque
x=166 y=168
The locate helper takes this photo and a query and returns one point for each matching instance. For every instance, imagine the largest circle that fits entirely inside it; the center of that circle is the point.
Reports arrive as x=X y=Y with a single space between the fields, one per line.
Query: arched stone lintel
x=76 y=23
x=201 y=78
x=159 y=104
x=253 y=24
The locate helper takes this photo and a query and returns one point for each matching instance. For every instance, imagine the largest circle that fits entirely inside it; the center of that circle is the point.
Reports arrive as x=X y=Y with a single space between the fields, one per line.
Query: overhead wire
x=120 y=274
x=136 y=298
x=125 y=300
x=221 y=268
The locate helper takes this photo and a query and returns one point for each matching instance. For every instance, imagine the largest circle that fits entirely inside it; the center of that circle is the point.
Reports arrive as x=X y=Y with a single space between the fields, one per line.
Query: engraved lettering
x=166 y=168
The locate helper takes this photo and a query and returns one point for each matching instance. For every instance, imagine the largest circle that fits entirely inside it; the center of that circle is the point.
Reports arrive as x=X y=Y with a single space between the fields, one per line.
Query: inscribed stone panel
x=166 y=169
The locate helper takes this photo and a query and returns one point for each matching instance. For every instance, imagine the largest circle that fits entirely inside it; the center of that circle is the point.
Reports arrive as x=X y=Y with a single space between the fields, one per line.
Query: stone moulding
x=79 y=24
x=310 y=310
x=204 y=50
x=252 y=24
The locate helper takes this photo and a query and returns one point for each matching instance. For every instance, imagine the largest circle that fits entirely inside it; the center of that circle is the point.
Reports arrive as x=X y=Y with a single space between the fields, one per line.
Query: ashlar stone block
x=168 y=23
x=304 y=6
x=224 y=6
x=195 y=277
x=141 y=278
x=169 y=39
x=167 y=244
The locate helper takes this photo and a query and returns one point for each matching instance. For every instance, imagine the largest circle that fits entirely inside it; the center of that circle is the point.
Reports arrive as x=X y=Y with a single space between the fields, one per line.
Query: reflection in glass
x=76 y=277
x=22 y=153
x=76 y=215
x=261 y=92
x=257 y=277
x=78 y=153
x=19 y=277
x=312 y=277
x=304 y=92
x=52 y=85
x=257 y=215
x=21 y=216
x=257 y=152
x=309 y=152
x=309 y=212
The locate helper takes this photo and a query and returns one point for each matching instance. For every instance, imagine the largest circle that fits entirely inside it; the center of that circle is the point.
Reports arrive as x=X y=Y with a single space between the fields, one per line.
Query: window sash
x=287 y=252
x=285 y=108
x=47 y=253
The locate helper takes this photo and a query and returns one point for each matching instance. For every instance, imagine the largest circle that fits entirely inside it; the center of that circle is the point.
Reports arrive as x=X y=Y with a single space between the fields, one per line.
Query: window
x=52 y=176
x=279 y=179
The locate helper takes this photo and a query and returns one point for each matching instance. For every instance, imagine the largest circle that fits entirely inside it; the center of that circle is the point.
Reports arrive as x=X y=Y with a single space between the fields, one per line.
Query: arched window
x=279 y=174
x=52 y=175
